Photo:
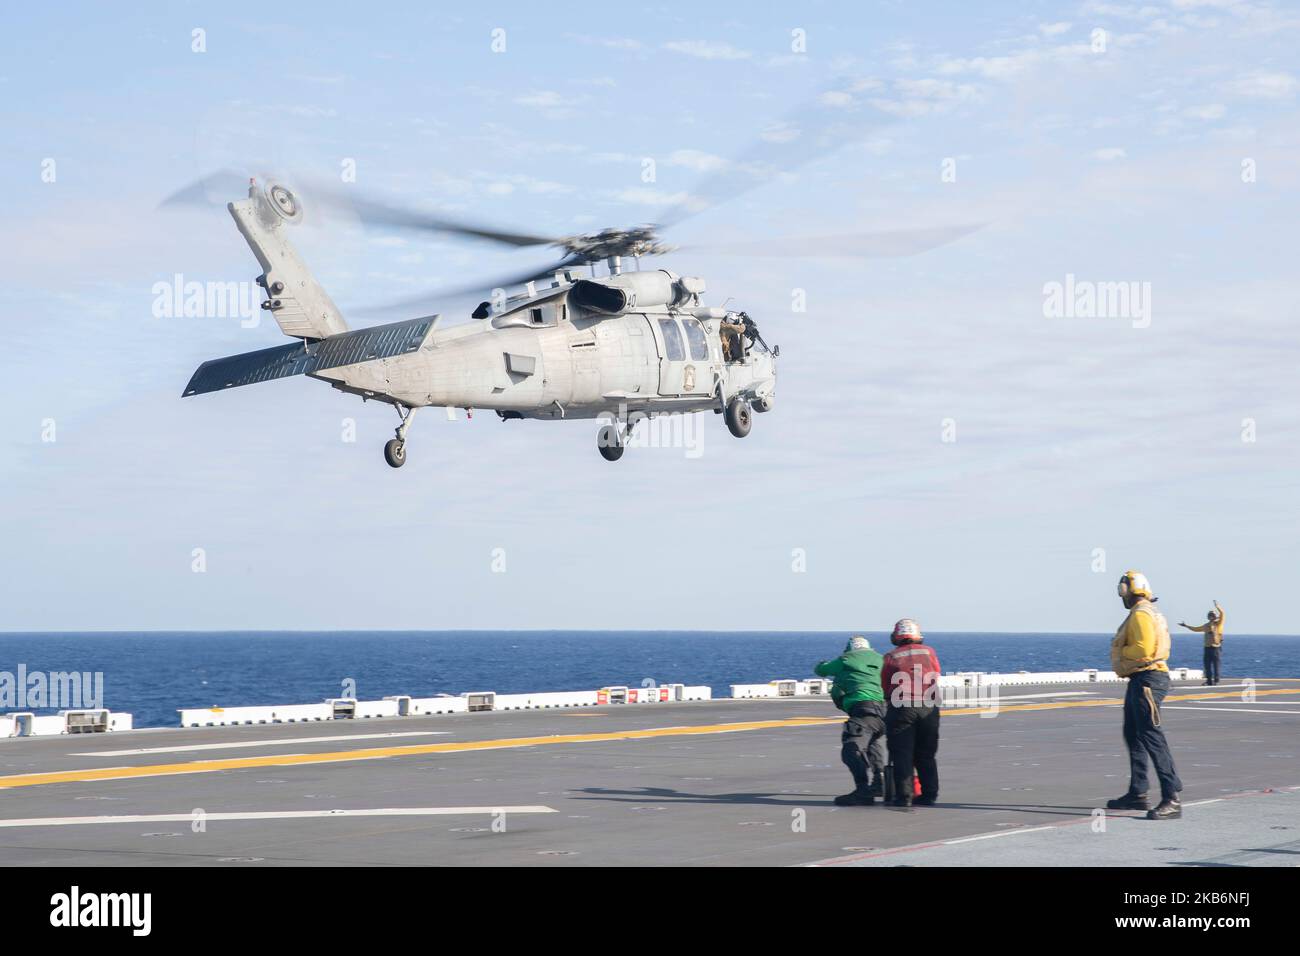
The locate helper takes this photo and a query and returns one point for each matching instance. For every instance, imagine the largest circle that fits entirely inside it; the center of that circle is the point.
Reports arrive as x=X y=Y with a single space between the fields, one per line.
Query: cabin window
x=536 y=316
x=695 y=338
x=673 y=350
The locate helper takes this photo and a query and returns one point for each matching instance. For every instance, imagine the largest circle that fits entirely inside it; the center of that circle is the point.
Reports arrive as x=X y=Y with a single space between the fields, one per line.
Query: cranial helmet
x=858 y=643
x=1133 y=584
x=905 y=631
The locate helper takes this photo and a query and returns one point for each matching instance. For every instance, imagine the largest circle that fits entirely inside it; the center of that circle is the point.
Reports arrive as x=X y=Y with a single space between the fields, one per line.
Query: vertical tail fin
x=301 y=307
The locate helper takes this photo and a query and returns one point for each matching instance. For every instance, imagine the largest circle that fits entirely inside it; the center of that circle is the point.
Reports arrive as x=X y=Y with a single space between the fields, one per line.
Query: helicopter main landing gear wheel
x=395 y=452
x=740 y=417
x=395 y=449
x=610 y=443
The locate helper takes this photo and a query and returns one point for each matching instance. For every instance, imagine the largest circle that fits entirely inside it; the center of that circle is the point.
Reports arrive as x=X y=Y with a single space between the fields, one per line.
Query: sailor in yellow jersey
x=1213 y=631
x=1139 y=653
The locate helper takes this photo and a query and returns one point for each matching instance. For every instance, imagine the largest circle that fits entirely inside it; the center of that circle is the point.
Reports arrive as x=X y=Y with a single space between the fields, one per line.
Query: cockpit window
x=672 y=340
x=695 y=337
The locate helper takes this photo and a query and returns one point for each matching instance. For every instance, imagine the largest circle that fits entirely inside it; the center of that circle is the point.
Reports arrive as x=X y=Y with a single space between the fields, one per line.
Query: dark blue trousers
x=1144 y=735
x=1212 y=657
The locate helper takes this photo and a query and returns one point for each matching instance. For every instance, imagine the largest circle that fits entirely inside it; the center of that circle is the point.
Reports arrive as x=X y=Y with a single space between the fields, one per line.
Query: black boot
x=858 y=798
x=877 y=787
x=903 y=801
x=924 y=801
x=1130 y=801
x=1169 y=809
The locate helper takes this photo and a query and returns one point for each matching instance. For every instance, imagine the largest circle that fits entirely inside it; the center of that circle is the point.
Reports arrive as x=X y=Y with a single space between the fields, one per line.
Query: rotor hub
x=635 y=242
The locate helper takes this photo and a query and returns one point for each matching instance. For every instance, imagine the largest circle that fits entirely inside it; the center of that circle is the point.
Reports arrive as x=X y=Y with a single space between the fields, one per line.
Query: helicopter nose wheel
x=610 y=443
x=740 y=417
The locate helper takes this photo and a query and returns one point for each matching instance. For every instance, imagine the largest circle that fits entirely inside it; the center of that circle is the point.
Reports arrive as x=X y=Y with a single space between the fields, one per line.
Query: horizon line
x=561 y=630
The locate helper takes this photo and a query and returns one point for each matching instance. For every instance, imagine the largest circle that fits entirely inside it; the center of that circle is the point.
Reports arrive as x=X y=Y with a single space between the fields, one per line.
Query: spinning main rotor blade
x=371 y=211
x=215 y=189
x=885 y=244
x=431 y=301
x=225 y=185
x=839 y=115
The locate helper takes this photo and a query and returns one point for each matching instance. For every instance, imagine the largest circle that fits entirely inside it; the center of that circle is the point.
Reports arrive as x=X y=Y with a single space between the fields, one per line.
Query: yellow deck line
x=1108 y=702
x=374 y=753
x=467 y=746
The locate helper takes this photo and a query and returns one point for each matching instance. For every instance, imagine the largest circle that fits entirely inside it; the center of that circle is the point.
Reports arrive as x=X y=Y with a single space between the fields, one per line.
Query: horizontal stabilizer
x=347 y=348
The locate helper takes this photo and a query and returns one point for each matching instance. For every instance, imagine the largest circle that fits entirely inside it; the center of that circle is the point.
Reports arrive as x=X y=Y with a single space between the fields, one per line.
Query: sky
x=946 y=443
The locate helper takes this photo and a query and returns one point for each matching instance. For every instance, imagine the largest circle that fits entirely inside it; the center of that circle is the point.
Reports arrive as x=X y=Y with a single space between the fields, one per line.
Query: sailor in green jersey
x=856 y=691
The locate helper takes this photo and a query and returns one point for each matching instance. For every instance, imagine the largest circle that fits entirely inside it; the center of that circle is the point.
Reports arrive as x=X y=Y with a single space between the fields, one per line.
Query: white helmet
x=905 y=630
x=1133 y=583
x=858 y=643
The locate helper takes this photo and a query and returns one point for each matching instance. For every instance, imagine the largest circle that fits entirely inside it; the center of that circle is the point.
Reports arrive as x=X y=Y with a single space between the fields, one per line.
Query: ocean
x=151 y=674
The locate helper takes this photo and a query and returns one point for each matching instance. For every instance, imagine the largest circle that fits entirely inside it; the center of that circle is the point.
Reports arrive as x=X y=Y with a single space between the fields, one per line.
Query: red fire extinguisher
x=889 y=783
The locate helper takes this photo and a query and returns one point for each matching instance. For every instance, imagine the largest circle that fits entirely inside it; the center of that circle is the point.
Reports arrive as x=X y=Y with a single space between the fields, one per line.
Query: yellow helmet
x=1134 y=583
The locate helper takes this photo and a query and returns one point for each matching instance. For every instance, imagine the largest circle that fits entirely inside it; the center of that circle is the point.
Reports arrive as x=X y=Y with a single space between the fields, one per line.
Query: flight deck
x=695 y=783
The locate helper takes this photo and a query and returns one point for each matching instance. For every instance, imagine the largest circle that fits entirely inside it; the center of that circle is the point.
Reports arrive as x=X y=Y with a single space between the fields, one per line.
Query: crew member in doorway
x=733 y=348
x=911 y=684
x=1213 y=631
x=1139 y=654
x=856 y=691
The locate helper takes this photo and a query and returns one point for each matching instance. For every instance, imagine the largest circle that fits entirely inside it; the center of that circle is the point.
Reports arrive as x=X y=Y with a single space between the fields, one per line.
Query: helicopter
x=623 y=347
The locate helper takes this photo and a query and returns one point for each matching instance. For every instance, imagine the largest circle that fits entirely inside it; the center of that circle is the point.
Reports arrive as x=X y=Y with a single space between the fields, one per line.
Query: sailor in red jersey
x=910 y=680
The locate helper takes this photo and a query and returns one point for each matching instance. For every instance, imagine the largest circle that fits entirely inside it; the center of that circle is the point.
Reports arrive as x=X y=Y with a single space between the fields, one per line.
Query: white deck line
x=992 y=696
x=269 y=815
x=994 y=836
x=259 y=743
x=1257 y=703
x=1235 y=710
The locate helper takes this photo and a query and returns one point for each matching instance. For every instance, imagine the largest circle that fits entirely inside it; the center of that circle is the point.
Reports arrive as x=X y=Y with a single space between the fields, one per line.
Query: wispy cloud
x=1109 y=154
x=1268 y=86
x=609 y=43
x=919 y=97
x=707 y=50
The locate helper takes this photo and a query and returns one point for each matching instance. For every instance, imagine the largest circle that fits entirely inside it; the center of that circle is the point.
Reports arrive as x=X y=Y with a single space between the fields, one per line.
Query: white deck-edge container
x=954 y=687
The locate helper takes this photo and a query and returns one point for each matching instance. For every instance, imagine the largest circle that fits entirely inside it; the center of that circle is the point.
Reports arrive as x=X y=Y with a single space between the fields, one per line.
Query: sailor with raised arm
x=1213 y=631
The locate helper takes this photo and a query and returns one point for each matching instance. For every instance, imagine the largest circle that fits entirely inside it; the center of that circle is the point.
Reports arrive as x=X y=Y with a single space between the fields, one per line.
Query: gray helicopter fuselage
x=543 y=358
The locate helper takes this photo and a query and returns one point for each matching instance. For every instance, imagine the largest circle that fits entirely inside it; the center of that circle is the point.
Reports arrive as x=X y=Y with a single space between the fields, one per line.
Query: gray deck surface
x=725 y=795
